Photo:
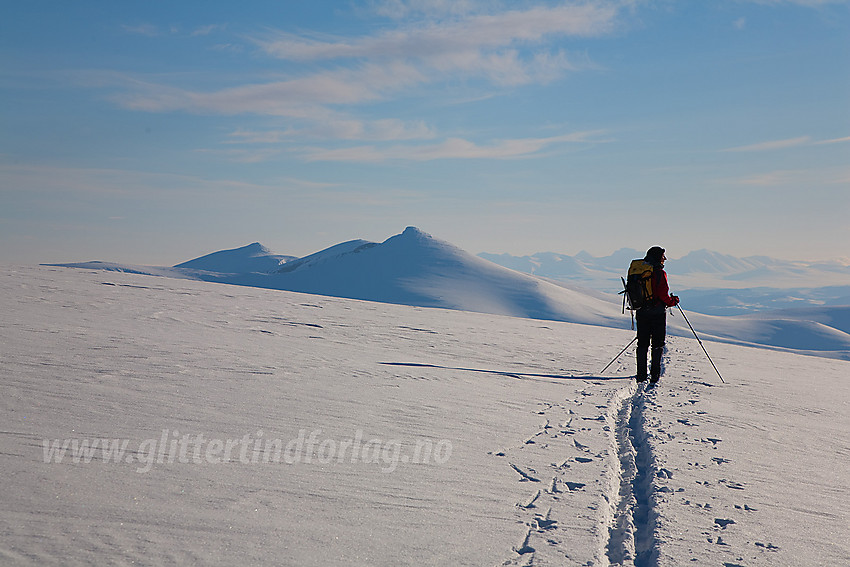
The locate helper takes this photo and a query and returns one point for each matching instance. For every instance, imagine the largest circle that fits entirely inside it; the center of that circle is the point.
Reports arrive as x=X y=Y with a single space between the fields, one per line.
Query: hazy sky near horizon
x=154 y=132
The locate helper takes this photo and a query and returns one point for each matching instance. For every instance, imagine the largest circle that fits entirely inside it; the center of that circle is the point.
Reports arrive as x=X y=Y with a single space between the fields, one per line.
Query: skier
x=652 y=318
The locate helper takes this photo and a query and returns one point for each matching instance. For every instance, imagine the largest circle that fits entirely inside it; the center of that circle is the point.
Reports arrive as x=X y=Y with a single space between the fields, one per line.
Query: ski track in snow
x=640 y=481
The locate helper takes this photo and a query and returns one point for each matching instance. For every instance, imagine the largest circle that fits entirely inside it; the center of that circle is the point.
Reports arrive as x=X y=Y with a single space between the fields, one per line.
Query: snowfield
x=152 y=420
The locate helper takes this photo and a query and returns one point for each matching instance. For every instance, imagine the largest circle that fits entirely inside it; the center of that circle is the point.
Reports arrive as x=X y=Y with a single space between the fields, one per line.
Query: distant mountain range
x=698 y=269
x=411 y=268
x=414 y=268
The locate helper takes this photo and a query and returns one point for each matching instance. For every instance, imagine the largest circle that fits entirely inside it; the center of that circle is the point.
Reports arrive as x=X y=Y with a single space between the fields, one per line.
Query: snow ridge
x=631 y=533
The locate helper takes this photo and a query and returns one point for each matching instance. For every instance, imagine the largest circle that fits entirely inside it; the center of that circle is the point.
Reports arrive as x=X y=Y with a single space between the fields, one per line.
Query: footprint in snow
x=767 y=546
x=531 y=501
x=524 y=547
x=545 y=522
x=525 y=476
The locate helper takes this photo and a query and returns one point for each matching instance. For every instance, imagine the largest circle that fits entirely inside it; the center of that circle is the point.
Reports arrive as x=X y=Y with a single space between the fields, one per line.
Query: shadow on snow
x=513 y=374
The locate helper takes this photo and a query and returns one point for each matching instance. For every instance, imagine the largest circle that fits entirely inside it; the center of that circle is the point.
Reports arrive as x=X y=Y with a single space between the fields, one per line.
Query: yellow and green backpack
x=638 y=285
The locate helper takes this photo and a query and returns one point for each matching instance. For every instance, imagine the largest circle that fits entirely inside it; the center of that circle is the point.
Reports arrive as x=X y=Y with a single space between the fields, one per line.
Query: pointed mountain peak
x=255 y=247
x=412 y=238
x=413 y=232
x=251 y=258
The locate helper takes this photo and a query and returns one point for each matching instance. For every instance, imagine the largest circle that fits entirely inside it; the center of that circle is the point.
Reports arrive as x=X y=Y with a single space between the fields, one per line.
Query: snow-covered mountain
x=220 y=266
x=414 y=268
x=247 y=259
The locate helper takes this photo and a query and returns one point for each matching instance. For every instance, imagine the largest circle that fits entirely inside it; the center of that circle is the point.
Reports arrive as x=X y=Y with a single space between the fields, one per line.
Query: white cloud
x=462 y=42
x=497 y=49
x=833 y=141
x=808 y=3
x=801 y=141
x=399 y=9
x=798 y=178
x=207 y=30
x=452 y=148
x=772 y=178
x=148 y=30
x=123 y=184
x=303 y=97
x=772 y=145
x=382 y=130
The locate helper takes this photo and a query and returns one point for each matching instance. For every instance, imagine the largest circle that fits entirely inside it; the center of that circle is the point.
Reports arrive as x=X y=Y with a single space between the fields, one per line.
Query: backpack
x=637 y=289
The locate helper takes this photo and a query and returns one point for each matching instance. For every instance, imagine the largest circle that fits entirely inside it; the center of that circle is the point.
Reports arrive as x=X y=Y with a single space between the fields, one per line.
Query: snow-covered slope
x=802 y=331
x=251 y=258
x=161 y=421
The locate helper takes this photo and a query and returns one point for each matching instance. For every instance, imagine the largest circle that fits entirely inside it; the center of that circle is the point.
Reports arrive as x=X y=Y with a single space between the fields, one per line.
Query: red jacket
x=660 y=288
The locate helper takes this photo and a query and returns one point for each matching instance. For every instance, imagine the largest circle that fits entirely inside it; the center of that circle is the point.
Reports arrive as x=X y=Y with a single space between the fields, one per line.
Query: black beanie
x=655 y=254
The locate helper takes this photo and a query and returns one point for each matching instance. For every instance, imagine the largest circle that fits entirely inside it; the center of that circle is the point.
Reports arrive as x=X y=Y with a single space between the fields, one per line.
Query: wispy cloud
x=772 y=178
x=800 y=141
x=833 y=141
x=808 y=3
x=108 y=183
x=822 y=177
x=303 y=97
x=772 y=145
x=207 y=30
x=450 y=41
x=151 y=30
x=432 y=42
x=340 y=128
x=148 y=30
x=399 y=9
x=452 y=148
x=496 y=47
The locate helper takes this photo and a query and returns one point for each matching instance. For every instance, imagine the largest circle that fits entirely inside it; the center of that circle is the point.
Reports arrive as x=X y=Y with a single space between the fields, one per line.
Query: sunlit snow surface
x=537 y=458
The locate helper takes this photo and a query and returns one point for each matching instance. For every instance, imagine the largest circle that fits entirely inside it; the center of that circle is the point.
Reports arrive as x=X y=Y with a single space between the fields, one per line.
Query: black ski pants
x=651 y=330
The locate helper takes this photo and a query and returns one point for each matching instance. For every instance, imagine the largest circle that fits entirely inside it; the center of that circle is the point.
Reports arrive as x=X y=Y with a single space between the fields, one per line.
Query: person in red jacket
x=652 y=318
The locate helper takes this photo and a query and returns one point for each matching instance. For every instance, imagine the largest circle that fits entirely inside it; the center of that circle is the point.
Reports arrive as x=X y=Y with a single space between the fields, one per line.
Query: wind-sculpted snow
x=162 y=421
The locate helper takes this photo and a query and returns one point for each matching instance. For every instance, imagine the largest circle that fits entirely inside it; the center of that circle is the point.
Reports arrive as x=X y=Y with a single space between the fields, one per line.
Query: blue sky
x=153 y=132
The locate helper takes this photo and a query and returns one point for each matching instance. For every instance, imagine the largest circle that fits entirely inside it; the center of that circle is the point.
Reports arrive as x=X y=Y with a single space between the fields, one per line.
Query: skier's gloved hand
x=675 y=299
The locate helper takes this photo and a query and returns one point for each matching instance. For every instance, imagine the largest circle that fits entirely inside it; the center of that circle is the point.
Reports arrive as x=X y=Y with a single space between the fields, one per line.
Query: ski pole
x=700 y=342
x=618 y=356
